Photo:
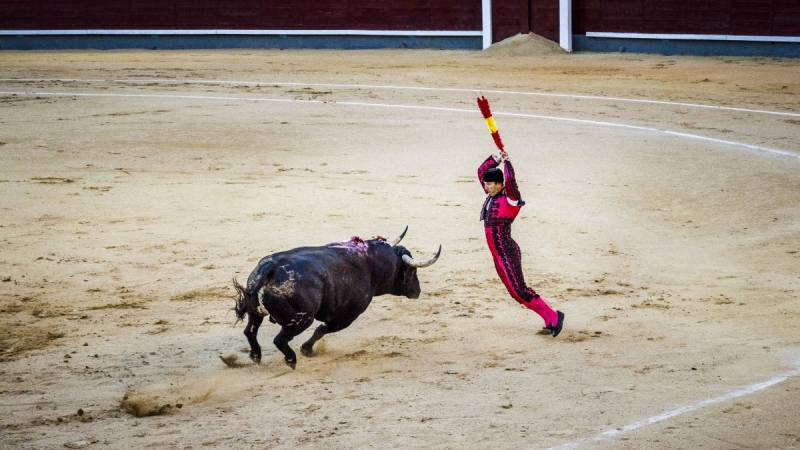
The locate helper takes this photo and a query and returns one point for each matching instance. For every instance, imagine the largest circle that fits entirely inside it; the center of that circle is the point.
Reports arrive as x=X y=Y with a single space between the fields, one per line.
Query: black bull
x=333 y=284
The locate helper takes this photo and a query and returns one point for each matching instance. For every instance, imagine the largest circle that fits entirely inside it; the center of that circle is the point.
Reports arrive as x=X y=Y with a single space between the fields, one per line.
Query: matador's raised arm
x=491 y=162
x=512 y=190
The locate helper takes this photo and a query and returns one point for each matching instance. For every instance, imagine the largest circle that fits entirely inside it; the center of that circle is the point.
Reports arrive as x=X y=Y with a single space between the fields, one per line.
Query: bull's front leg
x=251 y=332
x=308 y=347
x=337 y=324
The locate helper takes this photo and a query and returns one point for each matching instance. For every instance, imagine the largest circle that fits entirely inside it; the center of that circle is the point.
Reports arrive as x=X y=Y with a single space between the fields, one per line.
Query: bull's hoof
x=256 y=358
x=291 y=364
x=307 y=350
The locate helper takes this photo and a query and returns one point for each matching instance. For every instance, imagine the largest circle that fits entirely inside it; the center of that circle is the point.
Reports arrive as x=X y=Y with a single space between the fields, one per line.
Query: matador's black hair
x=494 y=174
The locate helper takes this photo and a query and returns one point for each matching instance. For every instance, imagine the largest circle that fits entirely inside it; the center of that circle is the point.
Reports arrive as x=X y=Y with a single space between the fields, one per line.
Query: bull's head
x=407 y=283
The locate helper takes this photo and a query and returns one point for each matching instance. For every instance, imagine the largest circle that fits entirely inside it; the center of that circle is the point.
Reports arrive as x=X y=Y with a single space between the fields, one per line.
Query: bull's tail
x=242 y=298
x=247 y=297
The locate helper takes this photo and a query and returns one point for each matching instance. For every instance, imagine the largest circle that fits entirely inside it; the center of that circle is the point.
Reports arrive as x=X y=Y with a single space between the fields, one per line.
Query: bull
x=333 y=284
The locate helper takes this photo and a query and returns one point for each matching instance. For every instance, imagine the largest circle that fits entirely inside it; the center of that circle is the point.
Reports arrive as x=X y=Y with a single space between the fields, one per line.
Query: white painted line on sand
x=429 y=108
x=419 y=88
x=676 y=412
x=674 y=133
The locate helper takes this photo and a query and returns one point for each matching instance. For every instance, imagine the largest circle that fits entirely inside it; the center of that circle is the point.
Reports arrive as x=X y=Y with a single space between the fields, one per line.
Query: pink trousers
x=508 y=262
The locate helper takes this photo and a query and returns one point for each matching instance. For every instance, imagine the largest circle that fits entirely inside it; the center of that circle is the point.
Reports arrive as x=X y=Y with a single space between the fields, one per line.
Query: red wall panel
x=454 y=15
x=410 y=18
x=195 y=18
x=786 y=24
x=509 y=18
x=287 y=15
x=198 y=14
x=786 y=17
x=728 y=17
x=63 y=15
x=104 y=15
x=243 y=14
x=739 y=17
x=587 y=15
x=660 y=16
x=543 y=17
x=705 y=19
x=326 y=18
x=368 y=16
x=152 y=14
x=239 y=14
x=20 y=14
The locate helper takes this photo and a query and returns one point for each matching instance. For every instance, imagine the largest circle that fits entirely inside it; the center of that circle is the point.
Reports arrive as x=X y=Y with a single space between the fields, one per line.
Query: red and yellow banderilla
x=483 y=104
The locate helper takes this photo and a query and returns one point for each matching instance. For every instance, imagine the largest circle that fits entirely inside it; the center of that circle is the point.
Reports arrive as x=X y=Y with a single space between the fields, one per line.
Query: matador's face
x=493 y=188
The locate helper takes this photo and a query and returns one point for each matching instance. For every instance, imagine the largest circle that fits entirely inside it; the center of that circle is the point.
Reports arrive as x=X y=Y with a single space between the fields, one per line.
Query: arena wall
x=700 y=27
x=240 y=23
x=757 y=27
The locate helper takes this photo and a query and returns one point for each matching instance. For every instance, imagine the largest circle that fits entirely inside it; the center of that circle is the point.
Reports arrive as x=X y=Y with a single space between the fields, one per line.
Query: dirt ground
x=132 y=193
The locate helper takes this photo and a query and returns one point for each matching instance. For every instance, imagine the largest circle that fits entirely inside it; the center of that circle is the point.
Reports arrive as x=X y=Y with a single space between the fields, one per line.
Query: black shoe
x=554 y=330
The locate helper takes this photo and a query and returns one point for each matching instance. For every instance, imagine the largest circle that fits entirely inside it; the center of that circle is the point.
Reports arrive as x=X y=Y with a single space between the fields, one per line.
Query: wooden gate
x=510 y=17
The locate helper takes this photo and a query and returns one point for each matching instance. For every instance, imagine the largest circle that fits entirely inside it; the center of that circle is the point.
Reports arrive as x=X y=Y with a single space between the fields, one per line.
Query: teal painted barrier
x=221 y=41
x=582 y=43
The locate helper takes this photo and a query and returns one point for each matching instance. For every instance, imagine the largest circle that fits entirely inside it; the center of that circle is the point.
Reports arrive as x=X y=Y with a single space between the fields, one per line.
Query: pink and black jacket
x=503 y=208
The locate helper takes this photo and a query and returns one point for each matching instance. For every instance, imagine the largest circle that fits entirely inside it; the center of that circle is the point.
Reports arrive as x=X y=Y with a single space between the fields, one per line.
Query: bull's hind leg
x=288 y=333
x=251 y=332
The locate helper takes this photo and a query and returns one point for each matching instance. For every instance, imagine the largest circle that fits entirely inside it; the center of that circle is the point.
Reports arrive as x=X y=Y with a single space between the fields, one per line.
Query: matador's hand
x=503 y=155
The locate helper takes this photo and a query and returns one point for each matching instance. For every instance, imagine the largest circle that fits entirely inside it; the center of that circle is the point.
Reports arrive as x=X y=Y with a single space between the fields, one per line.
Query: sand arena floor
x=135 y=185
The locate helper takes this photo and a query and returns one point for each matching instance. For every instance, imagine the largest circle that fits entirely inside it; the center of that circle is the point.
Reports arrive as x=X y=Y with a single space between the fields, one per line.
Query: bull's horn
x=414 y=263
x=399 y=238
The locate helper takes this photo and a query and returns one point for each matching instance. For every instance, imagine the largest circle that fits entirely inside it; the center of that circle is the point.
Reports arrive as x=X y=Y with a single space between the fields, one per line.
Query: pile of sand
x=530 y=44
